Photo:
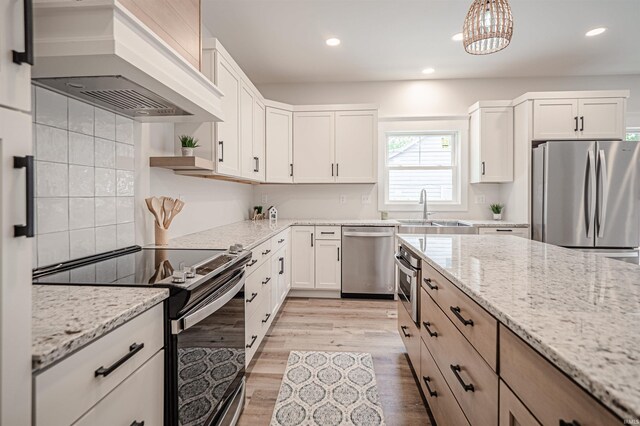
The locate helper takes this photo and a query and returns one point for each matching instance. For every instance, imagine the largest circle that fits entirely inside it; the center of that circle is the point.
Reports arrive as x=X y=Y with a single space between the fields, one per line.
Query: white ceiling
x=283 y=41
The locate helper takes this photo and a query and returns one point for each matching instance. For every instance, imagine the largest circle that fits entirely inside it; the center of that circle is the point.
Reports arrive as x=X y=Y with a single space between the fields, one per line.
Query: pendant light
x=488 y=27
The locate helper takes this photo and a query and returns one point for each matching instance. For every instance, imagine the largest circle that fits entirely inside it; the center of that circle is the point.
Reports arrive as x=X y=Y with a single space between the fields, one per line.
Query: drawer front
x=549 y=394
x=512 y=410
x=328 y=232
x=140 y=398
x=517 y=232
x=477 y=325
x=472 y=381
x=443 y=404
x=253 y=334
x=257 y=256
x=410 y=336
x=281 y=240
x=67 y=390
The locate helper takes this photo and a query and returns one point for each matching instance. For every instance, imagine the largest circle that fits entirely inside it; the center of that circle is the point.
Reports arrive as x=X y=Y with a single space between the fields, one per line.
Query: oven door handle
x=194 y=318
x=412 y=273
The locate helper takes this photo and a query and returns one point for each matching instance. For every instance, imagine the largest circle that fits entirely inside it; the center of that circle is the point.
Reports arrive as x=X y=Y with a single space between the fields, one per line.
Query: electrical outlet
x=366 y=199
x=265 y=199
x=343 y=199
x=480 y=199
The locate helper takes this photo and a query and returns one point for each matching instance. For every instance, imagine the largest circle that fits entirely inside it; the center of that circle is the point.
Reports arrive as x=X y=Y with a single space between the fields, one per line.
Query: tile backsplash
x=84 y=179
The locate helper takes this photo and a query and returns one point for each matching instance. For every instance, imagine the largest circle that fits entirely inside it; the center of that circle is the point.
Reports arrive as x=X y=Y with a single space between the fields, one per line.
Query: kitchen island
x=577 y=310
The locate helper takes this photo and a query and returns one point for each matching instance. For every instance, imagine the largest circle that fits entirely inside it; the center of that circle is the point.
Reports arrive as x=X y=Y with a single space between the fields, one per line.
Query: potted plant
x=188 y=144
x=497 y=209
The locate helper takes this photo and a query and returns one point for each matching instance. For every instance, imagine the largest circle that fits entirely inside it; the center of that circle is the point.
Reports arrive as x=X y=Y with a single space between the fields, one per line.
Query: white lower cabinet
x=280 y=286
x=316 y=258
x=328 y=265
x=303 y=257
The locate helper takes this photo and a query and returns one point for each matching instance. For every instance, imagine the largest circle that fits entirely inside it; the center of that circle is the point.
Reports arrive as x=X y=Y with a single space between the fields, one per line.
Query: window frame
x=631 y=129
x=459 y=127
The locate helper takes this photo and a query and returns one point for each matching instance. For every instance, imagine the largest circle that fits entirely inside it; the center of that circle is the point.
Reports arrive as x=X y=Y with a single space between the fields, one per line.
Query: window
x=633 y=134
x=417 y=160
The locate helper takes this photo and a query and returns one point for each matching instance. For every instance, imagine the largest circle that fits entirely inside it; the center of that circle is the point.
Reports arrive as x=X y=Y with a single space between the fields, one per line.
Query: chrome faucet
x=423 y=201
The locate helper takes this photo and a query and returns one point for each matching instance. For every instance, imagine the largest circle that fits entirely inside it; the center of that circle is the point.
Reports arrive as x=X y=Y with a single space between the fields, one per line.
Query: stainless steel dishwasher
x=367 y=261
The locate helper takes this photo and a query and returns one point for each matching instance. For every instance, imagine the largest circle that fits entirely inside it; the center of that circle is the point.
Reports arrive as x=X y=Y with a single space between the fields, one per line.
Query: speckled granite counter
x=581 y=311
x=493 y=223
x=65 y=318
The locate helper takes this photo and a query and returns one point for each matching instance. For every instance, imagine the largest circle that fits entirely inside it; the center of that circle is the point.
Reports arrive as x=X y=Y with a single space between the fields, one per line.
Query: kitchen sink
x=417 y=226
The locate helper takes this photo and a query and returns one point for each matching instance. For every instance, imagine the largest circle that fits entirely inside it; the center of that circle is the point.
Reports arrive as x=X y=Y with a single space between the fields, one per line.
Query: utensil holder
x=162 y=235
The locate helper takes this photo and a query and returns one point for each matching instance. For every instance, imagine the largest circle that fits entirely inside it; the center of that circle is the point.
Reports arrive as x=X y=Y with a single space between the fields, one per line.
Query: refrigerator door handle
x=589 y=193
x=604 y=195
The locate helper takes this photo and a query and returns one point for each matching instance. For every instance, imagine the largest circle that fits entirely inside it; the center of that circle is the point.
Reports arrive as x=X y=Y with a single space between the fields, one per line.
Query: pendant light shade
x=488 y=27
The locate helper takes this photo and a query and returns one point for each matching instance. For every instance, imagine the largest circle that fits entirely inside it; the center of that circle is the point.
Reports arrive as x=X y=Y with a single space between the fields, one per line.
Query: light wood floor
x=336 y=325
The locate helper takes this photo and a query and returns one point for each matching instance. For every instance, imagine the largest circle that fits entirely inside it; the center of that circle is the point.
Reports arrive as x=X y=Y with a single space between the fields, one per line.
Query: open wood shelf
x=182 y=163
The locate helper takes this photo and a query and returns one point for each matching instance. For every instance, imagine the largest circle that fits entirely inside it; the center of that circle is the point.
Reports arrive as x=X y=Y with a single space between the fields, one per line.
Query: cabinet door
x=259 y=139
x=313 y=141
x=555 y=119
x=601 y=119
x=512 y=411
x=302 y=257
x=279 y=146
x=227 y=132
x=247 y=157
x=15 y=79
x=356 y=136
x=328 y=265
x=496 y=145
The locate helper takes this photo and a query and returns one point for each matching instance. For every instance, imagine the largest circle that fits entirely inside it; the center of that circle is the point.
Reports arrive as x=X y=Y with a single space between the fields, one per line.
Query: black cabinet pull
x=291 y=172
x=281 y=260
x=253 y=340
x=312 y=239
x=266 y=318
x=456 y=371
x=456 y=312
x=571 y=423
x=426 y=327
x=253 y=296
x=427 y=380
x=338 y=254
x=337 y=169
x=483 y=170
x=331 y=169
x=221 y=159
x=256 y=169
x=137 y=423
x=326 y=233
x=266 y=252
x=404 y=328
x=133 y=349
x=427 y=281
x=253 y=262
x=28 y=229
x=576 y=119
x=504 y=230
x=582 y=123
x=281 y=241
x=26 y=57
x=266 y=281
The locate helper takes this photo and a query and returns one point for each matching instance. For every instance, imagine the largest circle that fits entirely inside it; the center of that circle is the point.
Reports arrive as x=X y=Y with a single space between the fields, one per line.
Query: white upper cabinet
x=248 y=160
x=597 y=118
x=491 y=144
x=356 y=136
x=601 y=118
x=259 y=139
x=279 y=128
x=227 y=132
x=15 y=79
x=314 y=143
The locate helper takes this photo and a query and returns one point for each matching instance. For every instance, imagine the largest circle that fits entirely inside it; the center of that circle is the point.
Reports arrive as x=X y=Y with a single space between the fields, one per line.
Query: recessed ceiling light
x=457 y=37
x=428 y=71
x=595 y=32
x=333 y=41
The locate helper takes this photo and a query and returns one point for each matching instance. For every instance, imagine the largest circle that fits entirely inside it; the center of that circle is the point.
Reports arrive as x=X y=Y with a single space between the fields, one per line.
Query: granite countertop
x=578 y=309
x=65 y=318
x=488 y=223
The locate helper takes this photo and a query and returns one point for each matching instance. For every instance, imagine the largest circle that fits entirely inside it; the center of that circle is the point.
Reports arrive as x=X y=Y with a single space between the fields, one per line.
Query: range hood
x=99 y=52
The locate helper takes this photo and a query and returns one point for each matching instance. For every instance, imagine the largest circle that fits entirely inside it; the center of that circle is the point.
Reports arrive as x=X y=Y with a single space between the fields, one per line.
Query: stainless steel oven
x=408 y=275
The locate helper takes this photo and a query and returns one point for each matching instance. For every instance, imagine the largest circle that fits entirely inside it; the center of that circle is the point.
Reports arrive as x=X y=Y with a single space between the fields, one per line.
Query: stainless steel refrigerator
x=586 y=195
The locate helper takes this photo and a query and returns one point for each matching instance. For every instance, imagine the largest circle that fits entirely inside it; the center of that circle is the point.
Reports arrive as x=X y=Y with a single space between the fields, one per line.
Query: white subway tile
x=105 y=211
x=81 y=213
x=51 y=144
x=81 y=181
x=82 y=242
x=124 y=156
x=125 y=183
x=126 y=235
x=53 y=248
x=80 y=149
x=81 y=117
x=52 y=214
x=105 y=180
x=51 y=108
x=124 y=209
x=124 y=129
x=105 y=238
x=52 y=179
x=105 y=153
x=105 y=124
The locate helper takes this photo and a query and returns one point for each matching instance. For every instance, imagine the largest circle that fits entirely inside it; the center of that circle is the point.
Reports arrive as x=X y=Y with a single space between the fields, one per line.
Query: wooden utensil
x=167 y=207
x=177 y=208
x=153 y=204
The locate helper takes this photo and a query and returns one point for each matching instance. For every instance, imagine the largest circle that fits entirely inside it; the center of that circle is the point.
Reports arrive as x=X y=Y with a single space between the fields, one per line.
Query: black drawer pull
x=253 y=296
x=404 y=328
x=133 y=349
x=137 y=423
x=504 y=230
x=266 y=252
x=253 y=262
x=253 y=340
x=571 y=423
x=427 y=380
x=456 y=312
x=426 y=327
x=266 y=318
x=427 y=281
x=266 y=281
x=326 y=233
x=27 y=55
x=281 y=241
x=467 y=387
